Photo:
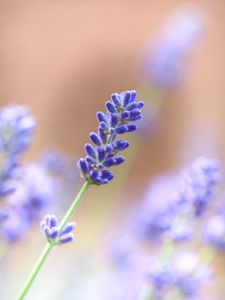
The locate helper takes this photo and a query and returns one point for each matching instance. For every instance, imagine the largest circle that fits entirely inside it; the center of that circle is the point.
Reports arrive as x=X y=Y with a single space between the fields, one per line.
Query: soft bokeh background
x=64 y=59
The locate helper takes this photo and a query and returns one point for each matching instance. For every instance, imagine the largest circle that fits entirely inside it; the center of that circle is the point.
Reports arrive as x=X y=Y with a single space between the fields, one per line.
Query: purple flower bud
x=110 y=106
x=135 y=118
x=135 y=113
x=101 y=117
x=121 y=145
x=68 y=228
x=83 y=165
x=108 y=148
x=53 y=222
x=106 y=173
x=102 y=135
x=95 y=139
x=119 y=160
x=122 y=129
x=90 y=150
x=109 y=162
x=116 y=99
x=104 y=125
x=94 y=175
x=126 y=96
x=101 y=154
x=114 y=120
x=68 y=238
x=125 y=114
x=133 y=95
x=53 y=233
x=90 y=160
x=131 y=128
x=131 y=106
x=140 y=104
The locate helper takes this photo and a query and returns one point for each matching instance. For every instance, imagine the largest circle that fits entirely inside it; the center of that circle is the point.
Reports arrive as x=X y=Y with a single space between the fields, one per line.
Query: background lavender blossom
x=17 y=127
x=164 y=63
x=34 y=194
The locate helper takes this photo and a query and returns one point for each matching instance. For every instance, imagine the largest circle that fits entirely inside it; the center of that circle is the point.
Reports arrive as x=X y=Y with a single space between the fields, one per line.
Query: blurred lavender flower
x=50 y=227
x=17 y=127
x=55 y=162
x=34 y=194
x=62 y=169
x=171 y=202
x=157 y=213
x=191 y=273
x=184 y=272
x=163 y=64
x=214 y=232
x=122 y=110
x=198 y=184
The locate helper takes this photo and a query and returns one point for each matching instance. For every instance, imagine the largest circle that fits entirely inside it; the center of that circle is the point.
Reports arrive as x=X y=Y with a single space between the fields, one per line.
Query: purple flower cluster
x=164 y=64
x=122 y=110
x=17 y=127
x=33 y=195
x=184 y=272
x=171 y=202
x=54 y=235
x=157 y=213
x=198 y=184
x=171 y=208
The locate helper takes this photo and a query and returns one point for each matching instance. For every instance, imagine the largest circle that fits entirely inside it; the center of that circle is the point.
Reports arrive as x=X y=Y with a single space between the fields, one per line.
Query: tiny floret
x=122 y=110
x=55 y=236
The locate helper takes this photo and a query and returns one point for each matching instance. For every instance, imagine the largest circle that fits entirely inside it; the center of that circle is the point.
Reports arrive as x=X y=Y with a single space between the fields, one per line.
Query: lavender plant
x=171 y=208
x=182 y=200
x=183 y=273
x=122 y=111
x=28 y=201
x=17 y=127
x=164 y=64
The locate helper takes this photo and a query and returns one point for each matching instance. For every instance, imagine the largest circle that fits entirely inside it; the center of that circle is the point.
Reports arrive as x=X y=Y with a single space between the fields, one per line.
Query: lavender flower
x=14 y=227
x=191 y=273
x=214 y=231
x=198 y=184
x=55 y=162
x=122 y=111
x=184 y=272
x=164 y=63
x=61 y=168
x=158 y=210
x=171 y=203
x=16 y=131
x=33 y=195
x=54 y=235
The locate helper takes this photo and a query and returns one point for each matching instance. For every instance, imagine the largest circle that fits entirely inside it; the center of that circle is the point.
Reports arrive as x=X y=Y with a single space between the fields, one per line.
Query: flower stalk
x=45 y=253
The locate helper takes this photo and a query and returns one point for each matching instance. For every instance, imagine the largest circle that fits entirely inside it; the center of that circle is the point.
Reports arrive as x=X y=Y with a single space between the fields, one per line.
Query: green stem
x=49 y=247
